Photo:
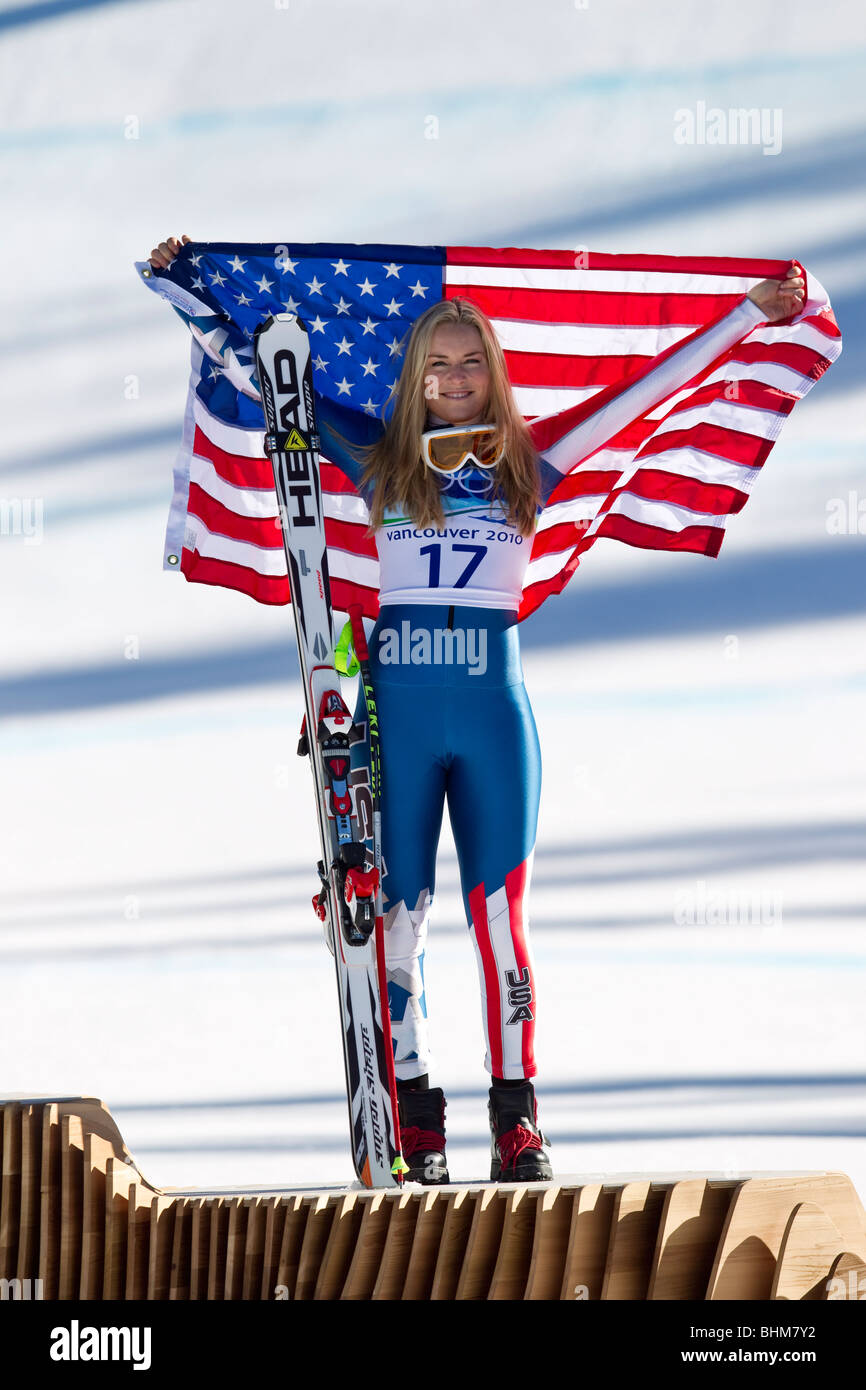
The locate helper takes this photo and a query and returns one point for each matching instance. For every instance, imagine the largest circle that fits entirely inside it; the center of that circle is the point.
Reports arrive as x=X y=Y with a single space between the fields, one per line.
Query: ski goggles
x=452 y=446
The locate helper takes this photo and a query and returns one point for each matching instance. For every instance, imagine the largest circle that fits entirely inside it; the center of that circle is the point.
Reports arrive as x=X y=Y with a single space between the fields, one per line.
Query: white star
x=264 y=284
x=344 y=387
x=317 y=325
x=345 y=346
x=245 y=372
x=343 y=306
x=237 y=263
x=198 y=284
x=340 y=267
x=417 y=289
x=370 y=366
x=194 y=259
x=369 y=407
x=291 y=305
x=393 y=307
x=319 y=364
x=242 y=299
x=215 y=371
x=393 y=269
x=315 y=286
x=394 y=347
x=217 y=279
x=214 y=338
x=366 y=288
x=286 y=264
x=369 y=326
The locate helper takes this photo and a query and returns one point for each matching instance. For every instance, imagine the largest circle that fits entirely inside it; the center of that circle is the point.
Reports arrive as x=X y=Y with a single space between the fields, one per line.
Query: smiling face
x=456 y=376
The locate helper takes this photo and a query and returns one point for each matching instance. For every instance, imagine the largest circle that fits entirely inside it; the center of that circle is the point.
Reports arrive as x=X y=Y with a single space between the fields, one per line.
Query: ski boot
x=516 y=1154
x=422 y=1135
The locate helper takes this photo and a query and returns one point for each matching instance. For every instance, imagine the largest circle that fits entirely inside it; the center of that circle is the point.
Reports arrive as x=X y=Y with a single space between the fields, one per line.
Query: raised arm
x=564 y=440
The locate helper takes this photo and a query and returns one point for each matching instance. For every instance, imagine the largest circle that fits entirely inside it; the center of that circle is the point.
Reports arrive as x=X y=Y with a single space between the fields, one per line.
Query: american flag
x=577 y=329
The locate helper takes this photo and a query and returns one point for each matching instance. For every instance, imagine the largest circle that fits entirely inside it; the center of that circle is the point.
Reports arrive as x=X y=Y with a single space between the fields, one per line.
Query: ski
x=349 y=898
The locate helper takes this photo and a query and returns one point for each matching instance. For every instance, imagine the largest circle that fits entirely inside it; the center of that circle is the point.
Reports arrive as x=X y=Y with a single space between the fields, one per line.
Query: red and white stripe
x=232 y=536
x=572 y=327
x=499 y=934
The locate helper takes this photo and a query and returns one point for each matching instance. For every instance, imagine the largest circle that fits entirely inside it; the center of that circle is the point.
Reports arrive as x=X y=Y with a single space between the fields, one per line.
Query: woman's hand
x=161 y=256
x=780 y=298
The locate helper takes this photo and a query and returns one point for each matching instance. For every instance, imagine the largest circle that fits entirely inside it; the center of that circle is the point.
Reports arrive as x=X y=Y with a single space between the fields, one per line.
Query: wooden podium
x=77 y=1216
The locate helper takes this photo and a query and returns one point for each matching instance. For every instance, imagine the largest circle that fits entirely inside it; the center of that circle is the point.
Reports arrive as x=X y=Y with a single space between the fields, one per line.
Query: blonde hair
x=394 y=463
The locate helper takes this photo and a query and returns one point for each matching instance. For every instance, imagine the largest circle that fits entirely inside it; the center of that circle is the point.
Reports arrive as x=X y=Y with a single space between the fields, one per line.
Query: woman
x=454 y=487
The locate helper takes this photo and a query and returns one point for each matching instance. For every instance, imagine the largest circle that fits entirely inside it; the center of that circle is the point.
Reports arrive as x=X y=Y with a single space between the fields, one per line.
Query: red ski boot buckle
x=361 y=883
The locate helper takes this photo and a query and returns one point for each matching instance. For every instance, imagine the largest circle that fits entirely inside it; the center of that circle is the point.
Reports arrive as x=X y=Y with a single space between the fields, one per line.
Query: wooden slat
x=482 y=1247
x=275 y=1220
x=337 y=1255
x=97 y=1152
x=459 y=1213
x=181 y=1251
x=255 y=1249
x=421 y=1269
x=217 y=1252
x=31 y=1164
x=320 y=1218
x=10 y=1195
x=294 y=1227
x=690 y=1229
x=366 y=1259
x=745 y=1263
x=633 y=1236
x=553 y=1213
x=199 y=1242
x=138 y=1215
x=810 y=1246
x=588 y=1241
x=49 y=1215
x=394 y=1263
x=71 y=1204
x=511 y=1270
x=119 y=1178
x=236 y=1241
x=162 y=1214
